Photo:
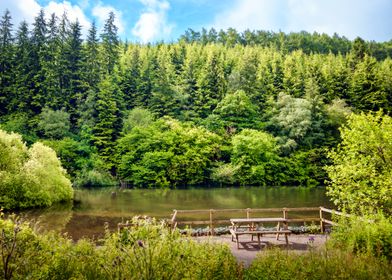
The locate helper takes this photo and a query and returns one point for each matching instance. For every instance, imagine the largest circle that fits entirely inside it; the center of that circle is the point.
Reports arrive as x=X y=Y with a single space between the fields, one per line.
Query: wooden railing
x=247 y=212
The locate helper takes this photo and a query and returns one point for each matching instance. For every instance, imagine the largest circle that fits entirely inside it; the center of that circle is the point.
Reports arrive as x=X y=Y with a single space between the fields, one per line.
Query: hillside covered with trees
x=256 y=108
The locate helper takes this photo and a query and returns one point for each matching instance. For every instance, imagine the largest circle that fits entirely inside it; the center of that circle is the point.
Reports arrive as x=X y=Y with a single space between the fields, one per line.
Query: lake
x=95 y=207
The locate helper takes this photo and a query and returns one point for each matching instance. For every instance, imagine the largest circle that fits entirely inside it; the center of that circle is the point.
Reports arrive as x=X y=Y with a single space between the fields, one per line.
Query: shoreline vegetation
x=150 y=250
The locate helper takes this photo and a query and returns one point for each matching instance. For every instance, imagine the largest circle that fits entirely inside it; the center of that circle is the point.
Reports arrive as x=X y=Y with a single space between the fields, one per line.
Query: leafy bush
x=138 y=117
x=167 y=153
x=370 y=235
x=75 y=156
x=93 y=178
x=317 y=265
x=360 y=177
x=253 y=154
x=30 y=177
x=54 y=124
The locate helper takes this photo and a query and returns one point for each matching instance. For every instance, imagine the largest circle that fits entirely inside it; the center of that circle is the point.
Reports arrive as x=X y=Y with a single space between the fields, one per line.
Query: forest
x=213 y=108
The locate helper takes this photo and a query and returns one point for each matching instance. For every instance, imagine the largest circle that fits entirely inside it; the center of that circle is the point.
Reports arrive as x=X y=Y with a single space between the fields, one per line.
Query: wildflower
x=140 y=243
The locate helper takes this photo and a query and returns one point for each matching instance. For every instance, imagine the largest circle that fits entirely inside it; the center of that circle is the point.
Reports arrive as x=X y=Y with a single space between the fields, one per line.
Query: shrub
x=93 y=178
x=317 y=265
x=360 y=177
x=372 y=236
x=30 y=177
x=54 y=124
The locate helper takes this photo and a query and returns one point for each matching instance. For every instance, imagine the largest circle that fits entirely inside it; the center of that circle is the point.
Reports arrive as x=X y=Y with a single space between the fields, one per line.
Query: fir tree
x=23 y=71
x=110 y=44
x=6 y=61
x=39 y=44
x=91 y=65
x=107 y=123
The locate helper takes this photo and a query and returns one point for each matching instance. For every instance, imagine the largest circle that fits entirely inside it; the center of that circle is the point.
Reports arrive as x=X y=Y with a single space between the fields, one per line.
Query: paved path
x=299 y=243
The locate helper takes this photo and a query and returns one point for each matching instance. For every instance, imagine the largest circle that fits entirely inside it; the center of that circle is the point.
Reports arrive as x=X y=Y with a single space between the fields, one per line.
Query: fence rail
x=212 y=222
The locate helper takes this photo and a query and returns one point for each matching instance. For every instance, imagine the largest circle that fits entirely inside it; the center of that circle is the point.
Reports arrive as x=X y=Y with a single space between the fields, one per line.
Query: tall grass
x=364 y=235
x=321 y=265
x=148 y=250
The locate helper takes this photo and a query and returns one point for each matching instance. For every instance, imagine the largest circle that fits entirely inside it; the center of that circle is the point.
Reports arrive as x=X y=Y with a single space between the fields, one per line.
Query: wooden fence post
x=247 y=213
x=321 y=220
x=211 y=222
x=284 y=213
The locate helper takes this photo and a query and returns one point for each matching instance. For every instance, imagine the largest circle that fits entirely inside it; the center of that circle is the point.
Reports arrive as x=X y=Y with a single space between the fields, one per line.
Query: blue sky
x=153 y=20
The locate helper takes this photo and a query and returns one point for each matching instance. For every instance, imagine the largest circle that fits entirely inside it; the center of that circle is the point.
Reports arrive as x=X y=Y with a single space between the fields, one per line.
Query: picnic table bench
x=251 y=226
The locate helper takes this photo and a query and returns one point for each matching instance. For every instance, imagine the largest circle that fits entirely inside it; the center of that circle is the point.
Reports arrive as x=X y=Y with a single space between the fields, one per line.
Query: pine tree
x=365 y=93
x=188 y=81
x=23 y=71
x=6 y=61
x=148 y=68
x=130 y=75
x=91 y=65
x=211 y=84
x=49 y=57
x=164 y=99
x=108 y=122
x=63 y=61
x=110 y=44
x=75 y=90
x=39 y=44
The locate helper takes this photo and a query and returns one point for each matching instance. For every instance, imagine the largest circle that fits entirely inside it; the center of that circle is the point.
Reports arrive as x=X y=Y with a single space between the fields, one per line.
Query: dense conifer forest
x=223 y=107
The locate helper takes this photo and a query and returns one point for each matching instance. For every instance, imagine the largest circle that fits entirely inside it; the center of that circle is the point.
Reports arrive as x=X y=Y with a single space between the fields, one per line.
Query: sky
x=156 y=20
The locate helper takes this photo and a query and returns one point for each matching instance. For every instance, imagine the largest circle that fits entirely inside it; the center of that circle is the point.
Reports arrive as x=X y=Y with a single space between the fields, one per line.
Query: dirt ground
x=248 y=250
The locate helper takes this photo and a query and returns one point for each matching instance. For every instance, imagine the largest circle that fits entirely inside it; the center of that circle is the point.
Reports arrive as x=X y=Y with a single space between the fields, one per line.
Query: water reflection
x=94 y=208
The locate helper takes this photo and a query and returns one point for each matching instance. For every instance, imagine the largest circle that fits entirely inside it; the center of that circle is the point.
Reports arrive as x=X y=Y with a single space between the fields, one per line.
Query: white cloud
x=101 y=12
x=152 y=23
x=29 y=9
x=73 y=12
x=249 y=14
x=352 y=18
x=21 y=10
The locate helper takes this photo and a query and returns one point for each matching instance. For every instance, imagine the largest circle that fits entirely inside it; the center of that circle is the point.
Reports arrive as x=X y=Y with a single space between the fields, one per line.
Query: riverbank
x=298 y=243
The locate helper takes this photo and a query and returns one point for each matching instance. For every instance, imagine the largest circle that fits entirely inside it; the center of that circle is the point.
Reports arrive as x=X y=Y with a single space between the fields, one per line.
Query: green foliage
x=138 y=117
x=254 y=152
x=237 y=111
x=360 y=174
x=371 y=235
x=93 y=178
x=292 y=119
x=21 y=124
x=317 y=265
x=226 y=81
x=30 y=177
x=148 y=250
x=54 y=124
x=74 y=156
x=167 y=153
x=108 y=121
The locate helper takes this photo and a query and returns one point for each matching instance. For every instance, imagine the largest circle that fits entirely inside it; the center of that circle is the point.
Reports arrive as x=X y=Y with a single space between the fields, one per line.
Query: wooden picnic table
x=250 y=226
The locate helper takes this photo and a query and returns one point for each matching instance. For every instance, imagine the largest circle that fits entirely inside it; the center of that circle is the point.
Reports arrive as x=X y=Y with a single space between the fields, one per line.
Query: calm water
x=94 y=208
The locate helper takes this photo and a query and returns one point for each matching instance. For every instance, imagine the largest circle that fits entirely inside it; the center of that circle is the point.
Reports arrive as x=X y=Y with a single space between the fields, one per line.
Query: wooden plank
x=303 y=209
x=302 y=220
x=260 y=232
x=334 y=212
x=258 y=220
x=206 y=222
x=330 y=222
